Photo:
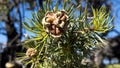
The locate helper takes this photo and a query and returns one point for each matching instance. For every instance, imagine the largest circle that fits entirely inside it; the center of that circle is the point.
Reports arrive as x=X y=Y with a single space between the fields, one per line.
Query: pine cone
x=31 y=52
x=55 y=23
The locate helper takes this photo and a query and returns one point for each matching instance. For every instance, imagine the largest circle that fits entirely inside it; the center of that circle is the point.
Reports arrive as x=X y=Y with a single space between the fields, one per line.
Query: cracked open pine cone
x=31 y=52
x=55 y=23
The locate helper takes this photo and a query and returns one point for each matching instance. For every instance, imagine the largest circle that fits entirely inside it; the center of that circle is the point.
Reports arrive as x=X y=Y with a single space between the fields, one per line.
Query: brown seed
x=53 y=26
x=50 y=14
x=63 y=18
x=52 y=32
x=46 y=29
x=56 y=21
x=58 y=14
x=43 y=21
x=57 y=31
x=63 y=11
x=50 y=20
x=62 y=24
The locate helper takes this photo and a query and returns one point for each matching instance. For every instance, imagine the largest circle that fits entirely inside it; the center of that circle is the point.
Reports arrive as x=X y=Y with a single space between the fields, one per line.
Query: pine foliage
x=63 y=36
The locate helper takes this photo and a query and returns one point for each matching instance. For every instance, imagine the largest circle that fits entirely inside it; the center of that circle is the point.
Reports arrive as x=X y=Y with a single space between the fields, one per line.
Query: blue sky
x=115 y=12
